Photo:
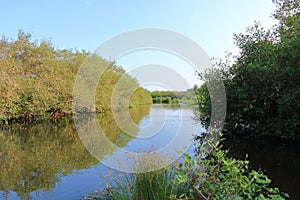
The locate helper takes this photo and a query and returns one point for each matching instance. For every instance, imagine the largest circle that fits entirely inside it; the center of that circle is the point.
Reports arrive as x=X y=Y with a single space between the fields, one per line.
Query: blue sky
x=84 y=24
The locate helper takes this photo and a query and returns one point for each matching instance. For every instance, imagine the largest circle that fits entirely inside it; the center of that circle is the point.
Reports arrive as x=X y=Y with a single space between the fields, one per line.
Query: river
x=50 y=161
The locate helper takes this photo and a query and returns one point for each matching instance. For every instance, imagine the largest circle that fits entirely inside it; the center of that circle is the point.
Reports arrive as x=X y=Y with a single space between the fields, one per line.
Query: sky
x=84 y=24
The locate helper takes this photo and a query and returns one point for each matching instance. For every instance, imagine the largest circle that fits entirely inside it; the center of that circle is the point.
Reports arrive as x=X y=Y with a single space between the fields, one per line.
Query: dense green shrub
x=218 y=176
x=262 y=84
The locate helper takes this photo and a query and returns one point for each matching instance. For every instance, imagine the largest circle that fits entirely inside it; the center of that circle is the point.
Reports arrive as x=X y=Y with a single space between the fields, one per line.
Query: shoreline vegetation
x=262 y=81
x=37 y=81
x=209 y=175
x=187 y=97
x=262 y=87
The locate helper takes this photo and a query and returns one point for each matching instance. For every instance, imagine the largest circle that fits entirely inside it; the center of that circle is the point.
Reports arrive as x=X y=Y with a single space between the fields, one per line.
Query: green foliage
x=36 y=80
x=174 y=97
x=155 y=185
x=215 y=176
x=262 y=83
x=218 y=176
x=140 y=97
x=147 y=185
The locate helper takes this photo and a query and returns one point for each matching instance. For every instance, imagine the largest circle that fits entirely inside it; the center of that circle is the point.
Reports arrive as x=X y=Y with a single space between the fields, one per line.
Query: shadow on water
x=35 y=158
x=279 y=160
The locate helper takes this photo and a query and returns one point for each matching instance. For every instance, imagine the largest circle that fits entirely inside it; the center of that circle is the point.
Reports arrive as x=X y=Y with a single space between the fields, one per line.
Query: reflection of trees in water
x=139 y=112
x=279 y=160
x=36 y=157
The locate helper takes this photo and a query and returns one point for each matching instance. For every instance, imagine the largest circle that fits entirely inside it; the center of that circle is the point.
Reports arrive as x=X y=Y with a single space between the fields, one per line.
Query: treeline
x=262 y=84
x=175 y=97
x=36 y=80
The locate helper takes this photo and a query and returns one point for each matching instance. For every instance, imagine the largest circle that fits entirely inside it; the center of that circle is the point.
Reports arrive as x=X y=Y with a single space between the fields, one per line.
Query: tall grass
x=154 y=185
x=216 y=177
x=150 y=180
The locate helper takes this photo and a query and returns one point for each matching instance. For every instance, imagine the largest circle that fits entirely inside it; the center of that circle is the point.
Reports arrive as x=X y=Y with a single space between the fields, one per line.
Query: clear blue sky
x=84 y=24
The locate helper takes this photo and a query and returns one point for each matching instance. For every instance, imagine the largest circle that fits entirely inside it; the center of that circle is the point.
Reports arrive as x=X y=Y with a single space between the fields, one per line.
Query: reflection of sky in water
x=280 y=160
x=161 y=127
x=166 y=129
x=145 y=122
x=90 y=180
x=156 y=130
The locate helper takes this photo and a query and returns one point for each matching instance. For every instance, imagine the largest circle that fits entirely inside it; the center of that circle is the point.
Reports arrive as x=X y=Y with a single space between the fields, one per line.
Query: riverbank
x=217 y=176
x=37 y=81
x=71 y=178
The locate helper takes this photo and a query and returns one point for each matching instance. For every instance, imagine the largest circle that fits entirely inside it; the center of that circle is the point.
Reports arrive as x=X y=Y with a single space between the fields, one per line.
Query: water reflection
x=50 y=160
x=278 y=159
x=165 y=132
x=35 y=158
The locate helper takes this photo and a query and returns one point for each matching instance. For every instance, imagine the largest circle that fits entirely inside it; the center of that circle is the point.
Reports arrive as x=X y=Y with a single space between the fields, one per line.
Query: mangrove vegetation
x=36 y=87
x=37 y=80
x=262 y=83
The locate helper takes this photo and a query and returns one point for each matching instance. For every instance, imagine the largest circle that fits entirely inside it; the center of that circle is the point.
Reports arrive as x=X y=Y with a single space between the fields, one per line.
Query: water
x=279 y=160
x=47 y=161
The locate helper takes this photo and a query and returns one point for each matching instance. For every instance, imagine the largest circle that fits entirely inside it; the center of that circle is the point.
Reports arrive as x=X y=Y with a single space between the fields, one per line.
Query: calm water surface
x=47 y=161
x=279 y=160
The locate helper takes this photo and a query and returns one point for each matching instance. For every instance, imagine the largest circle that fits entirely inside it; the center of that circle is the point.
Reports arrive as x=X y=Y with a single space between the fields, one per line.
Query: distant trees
x=36 y=80
x=164 y=97
x=262 y=85
x=174 y=97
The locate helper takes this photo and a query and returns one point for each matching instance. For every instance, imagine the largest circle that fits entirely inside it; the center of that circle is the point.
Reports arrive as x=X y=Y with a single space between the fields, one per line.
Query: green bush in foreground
x=220 y=177
x=214 y=177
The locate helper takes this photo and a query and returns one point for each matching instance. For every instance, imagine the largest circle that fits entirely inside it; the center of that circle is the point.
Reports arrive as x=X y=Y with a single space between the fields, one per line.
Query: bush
x=220 y=177
x=262 y=83
x=216 y=176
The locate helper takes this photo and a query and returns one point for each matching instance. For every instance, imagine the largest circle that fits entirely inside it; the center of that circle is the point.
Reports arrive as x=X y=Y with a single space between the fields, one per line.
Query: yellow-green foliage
x=36 y=156
x=36 y=80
